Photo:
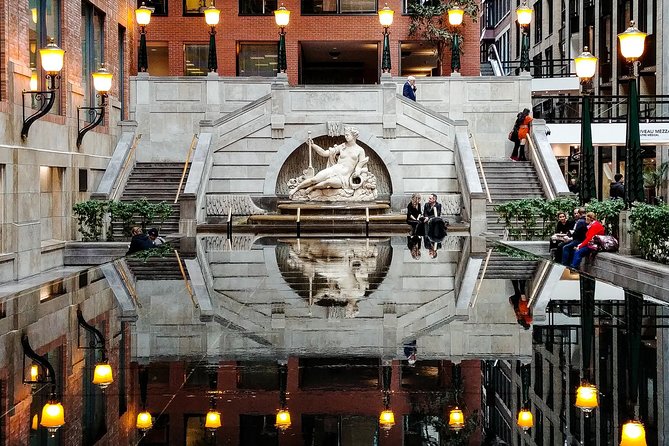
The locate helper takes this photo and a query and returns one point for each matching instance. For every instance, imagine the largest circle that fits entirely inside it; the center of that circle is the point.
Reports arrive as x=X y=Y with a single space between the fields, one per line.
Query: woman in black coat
x=414 y=215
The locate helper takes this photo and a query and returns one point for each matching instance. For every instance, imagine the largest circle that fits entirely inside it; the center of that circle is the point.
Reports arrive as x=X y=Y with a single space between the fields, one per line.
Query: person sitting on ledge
x=139 y=241
x=560 y=236
x=583 y=249
x=414 y=218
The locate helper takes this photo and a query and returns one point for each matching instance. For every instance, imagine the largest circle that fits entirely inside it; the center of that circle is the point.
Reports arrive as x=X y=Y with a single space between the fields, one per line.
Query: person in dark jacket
x=617 y=188
x=580 y=229
x=409 y=89
x=561 y=234
x=414 y=217
x=139 y=241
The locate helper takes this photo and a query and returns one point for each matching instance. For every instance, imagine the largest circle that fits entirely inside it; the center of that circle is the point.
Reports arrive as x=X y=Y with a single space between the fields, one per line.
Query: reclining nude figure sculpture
x=346 y=176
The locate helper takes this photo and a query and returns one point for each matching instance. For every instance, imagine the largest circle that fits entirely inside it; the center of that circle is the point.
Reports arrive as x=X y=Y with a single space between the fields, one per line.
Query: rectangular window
x=194 y=7
x=92 y=47
x=257 y=59
x=538 y=19
x=338 y=6
x=44 y=25
x=158 y=57
x=257 y=7
x=196 y=59
x=121 y=69
x=159 y=7
x=549 y=6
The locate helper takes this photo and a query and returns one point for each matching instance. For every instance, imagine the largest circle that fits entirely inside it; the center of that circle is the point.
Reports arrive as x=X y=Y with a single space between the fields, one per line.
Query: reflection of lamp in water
x=102 y=376
x=525 y=418
x=41 y=371
x=213 y=419
x=633 y=434
x=456 y=418
x=283 y=415
x=586 y=394
x=144 y=419
x=387 y=417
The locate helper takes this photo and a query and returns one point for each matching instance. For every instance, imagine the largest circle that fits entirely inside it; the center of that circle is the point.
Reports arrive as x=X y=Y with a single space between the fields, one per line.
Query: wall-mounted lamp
x=41 y=371
x=102 y=376
x=211 y=16
x=102 y=82
x=143 y=18
x=525 y=419
x=52 y=62
x=633 y=434
x=456 y=419
x=282 y=17
x=386 y=19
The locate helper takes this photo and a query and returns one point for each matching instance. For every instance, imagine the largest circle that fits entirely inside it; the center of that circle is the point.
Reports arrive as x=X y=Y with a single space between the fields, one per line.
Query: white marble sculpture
x=346 y=177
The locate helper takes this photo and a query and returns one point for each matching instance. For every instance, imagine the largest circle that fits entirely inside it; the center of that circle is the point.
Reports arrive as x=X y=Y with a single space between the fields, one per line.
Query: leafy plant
x=90 y=215
x=128 y=214
x=429 y=22
x=164 y=250
x=650 y=224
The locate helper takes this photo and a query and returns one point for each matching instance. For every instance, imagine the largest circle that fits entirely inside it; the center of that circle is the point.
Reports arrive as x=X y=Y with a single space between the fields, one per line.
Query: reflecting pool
x=284 y=341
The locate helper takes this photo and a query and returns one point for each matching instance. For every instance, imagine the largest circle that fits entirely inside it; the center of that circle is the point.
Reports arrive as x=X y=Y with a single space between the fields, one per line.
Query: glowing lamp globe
x=34 y=369
x=632 y=42
x=102 y=375
x=282 y=419
x=143 y=15
x=282 y=16
x=35 y=422
x=455 y=15
x=633 y=434
x=102 y=80
x=524 y=14
x=386 y=16
x=586 y=397
x=53 y=416
x=52 y=58
x=586 y=64
x=456 y=419
x=33 y=12
x=387 y=419
x=212 y=15
x=525 y=419
x=213 y=420
x=144 y=421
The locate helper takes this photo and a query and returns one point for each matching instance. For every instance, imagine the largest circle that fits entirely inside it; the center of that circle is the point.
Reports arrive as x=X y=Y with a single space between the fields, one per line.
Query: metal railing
x=606 y=109
x=478 y=160
x=193 y=143
x=126 y=164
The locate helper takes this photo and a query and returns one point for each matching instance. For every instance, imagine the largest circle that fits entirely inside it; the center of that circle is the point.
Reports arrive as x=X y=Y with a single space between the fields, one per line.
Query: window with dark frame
x=257 y=59
x=538 y=19
x=257 y=7
x=92 y=49
x=196 y=59
x=44 y=24
x=159 y=6
x=194 y=7
x=339 y=6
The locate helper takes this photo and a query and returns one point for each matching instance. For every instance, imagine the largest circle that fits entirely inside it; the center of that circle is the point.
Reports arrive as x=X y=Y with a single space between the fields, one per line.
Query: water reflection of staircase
x=156 y=182
x=508 y=180
x=160 y=268
x=501 y=266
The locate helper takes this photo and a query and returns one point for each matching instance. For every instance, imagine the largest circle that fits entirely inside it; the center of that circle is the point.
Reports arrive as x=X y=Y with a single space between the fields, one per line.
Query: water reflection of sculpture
x=339 y=275
x=346 y=176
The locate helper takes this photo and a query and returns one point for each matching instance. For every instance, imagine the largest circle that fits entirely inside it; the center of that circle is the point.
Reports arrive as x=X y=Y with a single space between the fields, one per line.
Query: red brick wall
x=232 y=28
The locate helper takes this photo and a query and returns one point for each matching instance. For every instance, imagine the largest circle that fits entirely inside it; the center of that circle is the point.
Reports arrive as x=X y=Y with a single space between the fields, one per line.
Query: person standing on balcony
x=617 y=188
x=520 y=130
x=409 y=90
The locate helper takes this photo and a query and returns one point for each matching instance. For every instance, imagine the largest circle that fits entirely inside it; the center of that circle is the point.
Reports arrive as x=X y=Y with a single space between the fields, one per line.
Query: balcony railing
x=606 y=109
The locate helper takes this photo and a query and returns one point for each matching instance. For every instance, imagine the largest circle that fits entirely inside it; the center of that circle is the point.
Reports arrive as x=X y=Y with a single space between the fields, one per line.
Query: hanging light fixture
x=53 y=415
x=387 y=419
x=213 y=419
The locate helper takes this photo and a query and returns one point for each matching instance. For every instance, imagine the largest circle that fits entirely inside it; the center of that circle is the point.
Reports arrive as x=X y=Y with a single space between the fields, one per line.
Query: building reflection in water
x=263 y=327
